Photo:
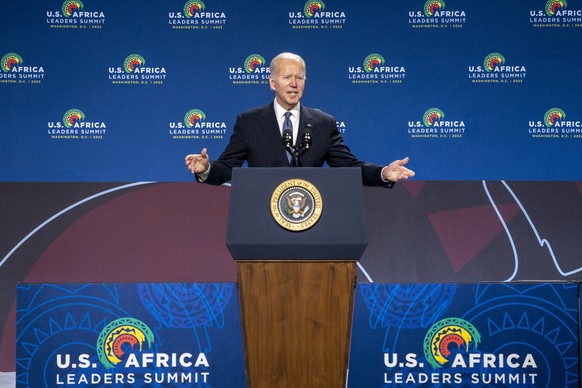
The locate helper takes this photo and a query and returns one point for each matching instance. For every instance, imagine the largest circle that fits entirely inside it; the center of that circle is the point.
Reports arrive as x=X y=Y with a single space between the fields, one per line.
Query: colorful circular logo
x=553 y=115
x=119 y=336
x=432 y=6
x=191 y=7
x=493 y=60
x=193 y=116
x=446 y=336
x=253 y=62
x=10 y=60
x=311 y=7
x=73 y=116
x=432 y=115
x=71 y=6
x=553 y=6
x=132 y=62
x=372 y=61
x=296 y=205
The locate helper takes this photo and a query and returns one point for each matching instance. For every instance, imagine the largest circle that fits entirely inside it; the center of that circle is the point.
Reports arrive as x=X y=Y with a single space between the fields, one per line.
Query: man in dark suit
x=257 y=136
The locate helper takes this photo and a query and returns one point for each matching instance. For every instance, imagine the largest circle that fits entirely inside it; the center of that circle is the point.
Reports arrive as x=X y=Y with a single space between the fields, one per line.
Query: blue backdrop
x=121 y=91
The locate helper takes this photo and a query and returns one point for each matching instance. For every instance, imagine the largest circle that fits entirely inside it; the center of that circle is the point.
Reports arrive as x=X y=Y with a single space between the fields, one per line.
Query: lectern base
x=296 y=318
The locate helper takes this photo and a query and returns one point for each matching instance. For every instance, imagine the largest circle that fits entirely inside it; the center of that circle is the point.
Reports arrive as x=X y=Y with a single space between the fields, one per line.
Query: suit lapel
x=270 y=128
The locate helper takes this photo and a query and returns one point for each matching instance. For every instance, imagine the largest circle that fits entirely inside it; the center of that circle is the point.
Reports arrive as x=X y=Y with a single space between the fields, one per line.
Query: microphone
x=288 y=139
x=288 y=144
x=306 y=141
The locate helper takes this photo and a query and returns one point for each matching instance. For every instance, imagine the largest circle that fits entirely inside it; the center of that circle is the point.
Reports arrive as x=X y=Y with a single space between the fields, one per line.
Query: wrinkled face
x=288 y=81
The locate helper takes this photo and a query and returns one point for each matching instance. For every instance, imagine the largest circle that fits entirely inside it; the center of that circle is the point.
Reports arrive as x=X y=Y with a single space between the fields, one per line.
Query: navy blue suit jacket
x=257 y=140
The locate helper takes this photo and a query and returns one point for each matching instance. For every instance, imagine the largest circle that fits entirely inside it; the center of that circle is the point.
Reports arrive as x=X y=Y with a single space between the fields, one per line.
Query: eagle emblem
x=297 y=204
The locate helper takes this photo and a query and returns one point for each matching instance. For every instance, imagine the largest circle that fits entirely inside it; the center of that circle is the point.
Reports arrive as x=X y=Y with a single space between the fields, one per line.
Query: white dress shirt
x=280 y=113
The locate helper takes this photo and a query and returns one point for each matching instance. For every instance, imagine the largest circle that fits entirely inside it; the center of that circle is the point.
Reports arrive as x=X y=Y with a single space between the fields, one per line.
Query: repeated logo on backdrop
x=555 y=125
x=135 y=71
x=418 y=47
x=555 y=14
x=452 y=343
x=435 y=125
x=342 y=127
x=435 y=14
x=495 y=70
x=446 y=334
x=75 y=126
x=194 y=15
x=254 y=70
x=75 y=15
x=316 y=15
x=195 y=125
x=13 y=70
x=130 y=332
x=375 y=70
x=125 y=346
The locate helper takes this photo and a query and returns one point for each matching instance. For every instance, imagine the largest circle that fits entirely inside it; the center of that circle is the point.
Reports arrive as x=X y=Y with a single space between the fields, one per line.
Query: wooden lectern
x=296 y=288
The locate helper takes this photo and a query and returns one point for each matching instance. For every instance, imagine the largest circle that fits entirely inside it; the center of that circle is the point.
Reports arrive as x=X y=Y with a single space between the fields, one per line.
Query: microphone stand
x=288 y=144
x=305 y=145
x=296 y=152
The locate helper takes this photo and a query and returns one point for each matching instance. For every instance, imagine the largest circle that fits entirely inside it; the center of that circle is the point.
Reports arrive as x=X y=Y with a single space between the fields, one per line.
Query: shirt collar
x=280 y=111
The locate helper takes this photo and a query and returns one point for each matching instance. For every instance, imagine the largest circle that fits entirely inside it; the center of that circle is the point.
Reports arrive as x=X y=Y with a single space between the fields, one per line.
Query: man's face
x=288 y=82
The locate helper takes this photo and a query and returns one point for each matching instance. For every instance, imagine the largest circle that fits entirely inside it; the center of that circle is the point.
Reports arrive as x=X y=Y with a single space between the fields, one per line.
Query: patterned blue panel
x=478 y=335
x=142 y=335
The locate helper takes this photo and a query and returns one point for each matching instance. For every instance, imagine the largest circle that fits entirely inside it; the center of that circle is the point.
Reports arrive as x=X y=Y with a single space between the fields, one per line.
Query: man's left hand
x=396 y=171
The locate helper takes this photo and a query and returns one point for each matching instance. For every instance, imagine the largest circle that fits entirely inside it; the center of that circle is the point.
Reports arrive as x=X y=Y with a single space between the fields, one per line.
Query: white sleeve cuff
x=203 y=176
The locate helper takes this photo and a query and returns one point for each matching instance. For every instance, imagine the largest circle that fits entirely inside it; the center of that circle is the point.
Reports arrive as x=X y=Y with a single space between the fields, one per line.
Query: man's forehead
x=290 y=67
x=290 y=64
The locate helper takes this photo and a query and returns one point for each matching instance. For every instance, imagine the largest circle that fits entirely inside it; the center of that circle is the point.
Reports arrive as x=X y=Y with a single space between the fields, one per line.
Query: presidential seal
x=296 y=205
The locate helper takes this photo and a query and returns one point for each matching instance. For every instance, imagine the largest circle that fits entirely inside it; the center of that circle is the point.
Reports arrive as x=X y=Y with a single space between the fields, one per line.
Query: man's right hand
x=197 y=163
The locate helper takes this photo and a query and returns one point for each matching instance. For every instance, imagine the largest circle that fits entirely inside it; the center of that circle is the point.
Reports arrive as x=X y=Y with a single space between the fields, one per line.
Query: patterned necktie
x=288 y=126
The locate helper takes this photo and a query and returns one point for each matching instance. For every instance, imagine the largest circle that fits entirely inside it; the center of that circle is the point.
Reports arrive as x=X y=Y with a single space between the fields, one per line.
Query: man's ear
x=271 y=83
